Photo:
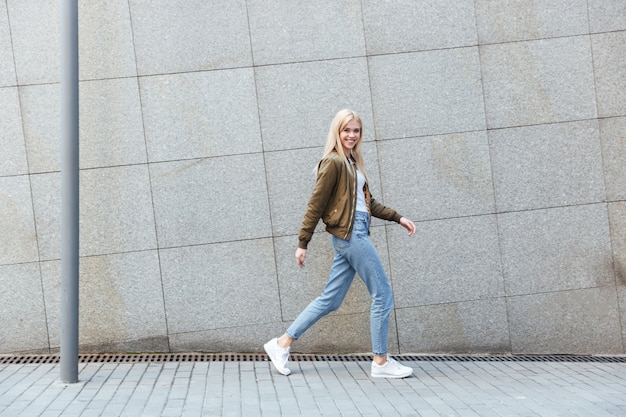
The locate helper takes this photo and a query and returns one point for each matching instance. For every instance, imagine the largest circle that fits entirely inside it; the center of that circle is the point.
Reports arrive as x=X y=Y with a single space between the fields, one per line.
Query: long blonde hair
x=333 y=141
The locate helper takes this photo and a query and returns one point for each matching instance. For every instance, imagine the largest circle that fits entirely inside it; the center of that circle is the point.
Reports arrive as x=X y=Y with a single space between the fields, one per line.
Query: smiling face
x=350 y=135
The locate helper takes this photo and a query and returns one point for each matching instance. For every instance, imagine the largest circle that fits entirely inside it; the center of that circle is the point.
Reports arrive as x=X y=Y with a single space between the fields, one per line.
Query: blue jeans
x=356 y=255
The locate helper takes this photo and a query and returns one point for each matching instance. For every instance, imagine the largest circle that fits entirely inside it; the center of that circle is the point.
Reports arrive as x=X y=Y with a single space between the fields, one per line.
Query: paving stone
x=334 y=388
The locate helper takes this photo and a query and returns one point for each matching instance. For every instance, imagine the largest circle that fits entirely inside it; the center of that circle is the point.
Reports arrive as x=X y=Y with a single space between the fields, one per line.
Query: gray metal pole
x=69 y=191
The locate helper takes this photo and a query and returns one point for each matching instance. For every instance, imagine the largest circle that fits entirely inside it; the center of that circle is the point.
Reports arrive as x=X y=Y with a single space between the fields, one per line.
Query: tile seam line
x=367 y=55
x=321 y=231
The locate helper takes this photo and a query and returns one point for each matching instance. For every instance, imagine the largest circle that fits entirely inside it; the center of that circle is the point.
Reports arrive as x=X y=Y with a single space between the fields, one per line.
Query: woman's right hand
x=300 y=256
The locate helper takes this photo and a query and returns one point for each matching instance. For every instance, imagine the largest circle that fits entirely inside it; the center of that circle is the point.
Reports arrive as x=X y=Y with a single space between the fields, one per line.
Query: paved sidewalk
x=322 y=388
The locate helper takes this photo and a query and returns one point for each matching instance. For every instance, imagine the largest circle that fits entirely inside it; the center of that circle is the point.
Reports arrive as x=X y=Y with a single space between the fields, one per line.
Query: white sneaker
x=391 y=369
x=278 y=356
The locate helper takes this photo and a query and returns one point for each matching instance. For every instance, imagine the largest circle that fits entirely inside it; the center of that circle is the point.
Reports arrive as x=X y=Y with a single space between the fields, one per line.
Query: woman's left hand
x=408 y=225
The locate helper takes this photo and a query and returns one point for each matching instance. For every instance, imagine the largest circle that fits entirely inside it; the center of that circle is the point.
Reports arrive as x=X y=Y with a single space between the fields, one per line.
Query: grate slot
x=296 y=357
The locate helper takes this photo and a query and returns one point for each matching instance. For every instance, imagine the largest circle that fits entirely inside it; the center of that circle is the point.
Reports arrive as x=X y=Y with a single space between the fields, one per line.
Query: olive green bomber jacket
x=334 y=201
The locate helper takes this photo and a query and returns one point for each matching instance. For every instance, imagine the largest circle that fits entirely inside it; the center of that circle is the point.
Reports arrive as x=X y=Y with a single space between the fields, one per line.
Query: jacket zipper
x=353 y=208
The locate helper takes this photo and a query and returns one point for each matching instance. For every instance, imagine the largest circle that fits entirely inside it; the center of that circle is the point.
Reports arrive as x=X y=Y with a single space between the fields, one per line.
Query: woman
x=341 y=198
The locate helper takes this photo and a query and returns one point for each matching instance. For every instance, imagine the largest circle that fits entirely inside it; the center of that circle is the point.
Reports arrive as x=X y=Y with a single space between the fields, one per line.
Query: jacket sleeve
x=383 y=212
x=325 y=185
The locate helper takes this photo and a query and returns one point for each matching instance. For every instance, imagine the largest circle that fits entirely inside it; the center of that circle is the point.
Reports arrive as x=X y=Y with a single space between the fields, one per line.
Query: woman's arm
x=387 y=213
x=327 y=174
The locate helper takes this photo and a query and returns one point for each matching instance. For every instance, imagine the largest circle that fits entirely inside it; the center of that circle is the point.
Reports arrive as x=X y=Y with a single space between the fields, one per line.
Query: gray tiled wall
x=499 y=126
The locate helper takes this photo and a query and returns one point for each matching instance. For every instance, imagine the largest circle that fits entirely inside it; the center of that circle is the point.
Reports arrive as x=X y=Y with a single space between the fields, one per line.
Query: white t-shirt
x=360 y=195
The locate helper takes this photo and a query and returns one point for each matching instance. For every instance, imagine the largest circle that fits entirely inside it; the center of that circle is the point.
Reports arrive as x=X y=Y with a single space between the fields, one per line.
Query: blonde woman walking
x=342 y=199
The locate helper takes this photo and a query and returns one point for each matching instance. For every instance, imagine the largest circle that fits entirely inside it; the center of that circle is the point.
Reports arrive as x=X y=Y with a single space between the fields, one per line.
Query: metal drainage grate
x=515 y=358
x=258 y=357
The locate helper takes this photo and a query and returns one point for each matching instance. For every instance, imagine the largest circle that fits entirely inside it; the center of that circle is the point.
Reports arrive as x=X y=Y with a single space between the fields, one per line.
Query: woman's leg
x=339 y=281
x=340 y=278
x=372 y=272
x=365 y=260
